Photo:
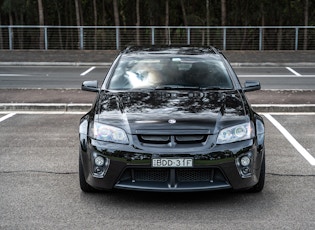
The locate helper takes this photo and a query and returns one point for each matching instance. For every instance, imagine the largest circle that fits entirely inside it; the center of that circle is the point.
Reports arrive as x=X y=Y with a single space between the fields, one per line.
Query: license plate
x=172 y=162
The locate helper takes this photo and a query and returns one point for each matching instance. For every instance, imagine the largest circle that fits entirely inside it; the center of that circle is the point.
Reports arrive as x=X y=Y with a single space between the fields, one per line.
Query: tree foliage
x=153 y=12
x=174 y=13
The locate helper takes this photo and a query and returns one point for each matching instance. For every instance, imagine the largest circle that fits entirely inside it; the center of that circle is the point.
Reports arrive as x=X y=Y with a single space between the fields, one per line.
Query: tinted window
x=152 y=71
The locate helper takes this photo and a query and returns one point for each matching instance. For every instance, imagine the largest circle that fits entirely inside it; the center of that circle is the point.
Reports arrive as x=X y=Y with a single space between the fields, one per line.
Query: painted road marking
x=7 y=116
x=89 y=70
x=272 y=76
x=292 y=140
x=14 y=75
x=293 y=71
x=291 y=113
x=46 y=112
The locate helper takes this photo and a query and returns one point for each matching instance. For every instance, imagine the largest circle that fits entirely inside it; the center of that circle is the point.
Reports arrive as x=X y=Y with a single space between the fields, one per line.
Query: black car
x=171 y=119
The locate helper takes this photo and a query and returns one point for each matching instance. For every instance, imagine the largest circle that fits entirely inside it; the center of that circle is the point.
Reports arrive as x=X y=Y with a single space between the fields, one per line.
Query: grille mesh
x=193 y=175
x=180 y=139
x=151 y=175
x=181 y=175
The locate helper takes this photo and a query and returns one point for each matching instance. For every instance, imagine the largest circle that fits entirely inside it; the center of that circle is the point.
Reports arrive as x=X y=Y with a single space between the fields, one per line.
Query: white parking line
x=273 y=76
x=46 y=112
x=13 y=75
x=86 y=72
x=292 y=140
x=265 y=76
x=7 y=116
x=291 y=113
x=293 y=71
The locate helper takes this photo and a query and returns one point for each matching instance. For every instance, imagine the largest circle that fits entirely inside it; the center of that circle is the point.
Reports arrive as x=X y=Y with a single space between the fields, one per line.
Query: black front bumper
x=131 y=168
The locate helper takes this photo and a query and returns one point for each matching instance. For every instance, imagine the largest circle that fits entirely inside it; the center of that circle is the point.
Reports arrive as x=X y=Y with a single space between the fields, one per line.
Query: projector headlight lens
x=235 y=133
x=245 y=161
x=99 y=161
x=109 y=133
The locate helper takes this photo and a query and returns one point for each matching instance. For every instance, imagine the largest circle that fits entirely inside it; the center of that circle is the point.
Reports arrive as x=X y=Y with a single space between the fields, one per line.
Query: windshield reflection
x=147 y=72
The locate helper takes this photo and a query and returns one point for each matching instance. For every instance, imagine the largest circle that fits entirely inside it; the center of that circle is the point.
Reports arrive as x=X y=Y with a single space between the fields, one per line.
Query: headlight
x=235 y=133
x=108 y=133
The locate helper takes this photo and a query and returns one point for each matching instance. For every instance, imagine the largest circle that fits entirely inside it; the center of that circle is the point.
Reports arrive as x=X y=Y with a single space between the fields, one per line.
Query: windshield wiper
x=178 y=87
x=214 y=88
x=183 y=87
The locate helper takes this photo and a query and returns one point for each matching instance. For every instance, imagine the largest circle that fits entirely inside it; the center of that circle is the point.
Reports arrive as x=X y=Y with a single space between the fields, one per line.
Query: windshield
x=161 y=72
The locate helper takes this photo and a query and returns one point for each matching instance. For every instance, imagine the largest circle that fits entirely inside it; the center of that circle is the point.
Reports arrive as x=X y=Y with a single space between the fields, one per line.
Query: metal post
x=81 y=39
x=10 y=38
x=260 y=38
x=188 y=36
x=296 y=38
x=117 y=38
x=224 y=38
x=46 y=38
x=152 y=36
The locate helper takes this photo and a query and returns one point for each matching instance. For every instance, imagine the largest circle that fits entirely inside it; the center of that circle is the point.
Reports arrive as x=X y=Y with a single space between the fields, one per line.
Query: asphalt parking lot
x=40 y=190
x=39 y=184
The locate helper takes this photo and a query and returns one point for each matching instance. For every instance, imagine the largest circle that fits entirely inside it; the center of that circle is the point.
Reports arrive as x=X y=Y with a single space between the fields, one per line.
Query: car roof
x=173 y=49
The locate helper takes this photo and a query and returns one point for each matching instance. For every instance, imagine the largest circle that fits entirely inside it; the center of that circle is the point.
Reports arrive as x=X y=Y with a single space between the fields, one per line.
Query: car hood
x=171 y=112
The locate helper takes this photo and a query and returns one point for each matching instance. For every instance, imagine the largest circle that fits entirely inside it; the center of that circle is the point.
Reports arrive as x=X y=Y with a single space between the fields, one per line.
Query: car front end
x=181 y=150
x=171 y=137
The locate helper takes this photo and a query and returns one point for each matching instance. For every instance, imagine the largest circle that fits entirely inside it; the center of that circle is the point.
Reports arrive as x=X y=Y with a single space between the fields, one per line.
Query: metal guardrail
x=116 y=37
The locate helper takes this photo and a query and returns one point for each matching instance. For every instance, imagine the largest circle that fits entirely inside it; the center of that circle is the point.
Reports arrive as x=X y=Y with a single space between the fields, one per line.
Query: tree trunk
x=167 y=32
x=116 y=17
x=116 y=12
x=184 y=12
x=305 y=23
x=223 y=12
x=59 y=24
x=77 y=13
x=95 y=24
x=104 y=23
x=262 y=9
x=138 y=22
x=208 y=22
x=41 y=23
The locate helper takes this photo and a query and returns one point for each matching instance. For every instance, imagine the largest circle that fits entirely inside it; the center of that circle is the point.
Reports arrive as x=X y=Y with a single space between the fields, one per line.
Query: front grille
x=154 y=139
x=193 y=175
x=151 y=175
x=155 y=175
x=178 y=139
x=180 y=175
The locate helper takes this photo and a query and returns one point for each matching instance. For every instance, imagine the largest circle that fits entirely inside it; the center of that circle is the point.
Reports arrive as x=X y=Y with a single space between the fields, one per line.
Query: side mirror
x=91 y=86
x=251 y=86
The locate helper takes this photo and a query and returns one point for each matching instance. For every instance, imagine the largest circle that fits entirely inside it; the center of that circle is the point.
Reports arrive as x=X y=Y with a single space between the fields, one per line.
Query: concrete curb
x=55 y=63
x=58 y=107
x=64 y=107
x=287 y=108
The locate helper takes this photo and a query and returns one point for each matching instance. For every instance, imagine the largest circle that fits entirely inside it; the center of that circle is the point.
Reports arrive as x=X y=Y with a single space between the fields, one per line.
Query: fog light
x=98 y=170
x=100 y=165
x=99 y=161
x=245 y=161
x=246 y=170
